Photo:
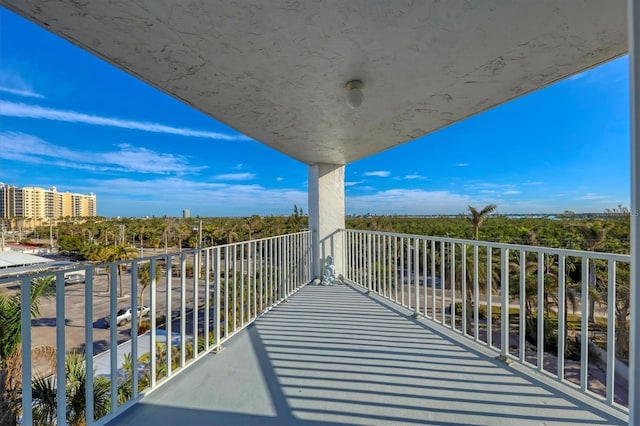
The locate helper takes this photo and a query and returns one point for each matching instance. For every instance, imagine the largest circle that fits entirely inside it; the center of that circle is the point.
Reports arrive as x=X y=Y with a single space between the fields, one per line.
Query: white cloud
x=408 y=201
x=33 y=150
x=484 y=186
x=21 y=92
x=533 y=183
x=11 y=82
x=202 y=198
x=235 y=176
x=14 y=109
x=462 y=164
x=353 y=183
x=511 y=192
x=592 y=196
x=279 y=178
x=415 y=176
x=378 y=173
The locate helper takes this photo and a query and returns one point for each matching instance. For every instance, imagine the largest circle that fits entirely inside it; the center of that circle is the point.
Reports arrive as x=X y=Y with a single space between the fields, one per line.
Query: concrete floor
x=333 y=355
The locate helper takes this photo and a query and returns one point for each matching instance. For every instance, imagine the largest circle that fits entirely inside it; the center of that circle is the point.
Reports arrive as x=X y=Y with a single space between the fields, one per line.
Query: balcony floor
x=333 y=355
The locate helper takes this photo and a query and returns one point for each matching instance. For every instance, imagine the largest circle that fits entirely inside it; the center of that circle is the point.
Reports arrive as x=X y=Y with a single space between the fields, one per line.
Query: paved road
x=44 y=331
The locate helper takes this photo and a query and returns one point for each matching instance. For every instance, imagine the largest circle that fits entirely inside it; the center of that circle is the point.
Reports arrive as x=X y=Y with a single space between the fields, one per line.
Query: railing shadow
x=316 y=370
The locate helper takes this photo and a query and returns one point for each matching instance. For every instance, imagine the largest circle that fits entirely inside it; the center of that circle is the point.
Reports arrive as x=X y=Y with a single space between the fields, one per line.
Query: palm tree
x=10 y=337
x=477 y=217
x=144 y=277
x=594 y=234
x=120 y=253
x=45 y=398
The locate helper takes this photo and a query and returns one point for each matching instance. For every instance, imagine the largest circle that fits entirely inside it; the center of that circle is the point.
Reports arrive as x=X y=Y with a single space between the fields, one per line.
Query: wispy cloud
x=353 y=183
x=483 y=186
x=592 y=196
x=533 y=183
x=408 y=201
x=415 y=176
x=378 y=173
x=279 y=178
x=234 y=176
x=21 y=110
x=201 y=197
x=21 y=92
x=462 y=164
x=127 y=158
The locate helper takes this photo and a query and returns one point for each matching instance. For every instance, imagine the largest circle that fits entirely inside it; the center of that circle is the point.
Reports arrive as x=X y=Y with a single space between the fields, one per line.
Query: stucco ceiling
x=276 y=70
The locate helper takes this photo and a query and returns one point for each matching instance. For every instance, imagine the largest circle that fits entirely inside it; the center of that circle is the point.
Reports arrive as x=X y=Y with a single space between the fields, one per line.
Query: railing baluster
x=242 y=313
x=562 y=323
x=424 y=276
x=452 y=274
x=88 y=345
x=183 y=309
x=134 y=330
x=25 y=335
x=169 y=318
x=522 y=306
x=433 y=280
x=217 y=287
x=611 y=331
x=113 y=335
x=476 y=296
x=443 y=283
x=207 y=295
x=584 y=327
x=504 y=303
x=540 y=322
x=463 y=290
x=196 y=301
x=489 y=297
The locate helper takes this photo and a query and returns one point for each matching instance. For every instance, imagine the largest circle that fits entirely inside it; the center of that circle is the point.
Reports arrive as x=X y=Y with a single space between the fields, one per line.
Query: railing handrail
x=446 y=280
x=618 y=257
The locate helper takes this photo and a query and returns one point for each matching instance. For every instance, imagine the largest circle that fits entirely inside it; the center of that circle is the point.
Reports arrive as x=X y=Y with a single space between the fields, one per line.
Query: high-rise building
x=36 y=205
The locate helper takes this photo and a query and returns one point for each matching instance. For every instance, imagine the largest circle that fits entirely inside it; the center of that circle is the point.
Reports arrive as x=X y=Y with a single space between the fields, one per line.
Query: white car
x=123 y=315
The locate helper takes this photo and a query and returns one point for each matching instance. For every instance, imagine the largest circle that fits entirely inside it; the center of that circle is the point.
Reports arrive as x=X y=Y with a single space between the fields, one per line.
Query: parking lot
x=43 y=330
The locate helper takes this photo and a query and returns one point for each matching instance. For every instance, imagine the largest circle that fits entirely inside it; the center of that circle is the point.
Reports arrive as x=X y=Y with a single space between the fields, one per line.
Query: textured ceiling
x=276 y=70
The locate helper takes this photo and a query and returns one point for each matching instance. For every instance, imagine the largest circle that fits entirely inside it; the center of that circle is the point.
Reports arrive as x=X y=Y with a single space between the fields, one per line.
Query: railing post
x=88 y=344
x=416 y=276
x=25 y=331
x=562 y=325
x=540 y=322
x=169 y=317
x=152 y=320
x=216 y=298
x=504 y=303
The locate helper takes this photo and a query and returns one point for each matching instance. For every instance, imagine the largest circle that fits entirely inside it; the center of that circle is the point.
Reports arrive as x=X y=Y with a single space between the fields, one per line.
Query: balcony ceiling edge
x=276 y=71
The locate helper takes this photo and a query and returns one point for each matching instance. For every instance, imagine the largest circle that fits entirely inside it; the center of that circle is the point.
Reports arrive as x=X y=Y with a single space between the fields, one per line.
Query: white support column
x=633 y=12
x=326 y=215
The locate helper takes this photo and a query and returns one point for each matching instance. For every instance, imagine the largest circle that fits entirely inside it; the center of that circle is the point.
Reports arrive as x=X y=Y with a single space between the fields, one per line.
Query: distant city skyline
x=70 y=120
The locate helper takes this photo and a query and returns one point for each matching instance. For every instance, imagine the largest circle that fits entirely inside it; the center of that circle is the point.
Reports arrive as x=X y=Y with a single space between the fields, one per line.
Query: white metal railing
x=209 y=295
x=529 y=304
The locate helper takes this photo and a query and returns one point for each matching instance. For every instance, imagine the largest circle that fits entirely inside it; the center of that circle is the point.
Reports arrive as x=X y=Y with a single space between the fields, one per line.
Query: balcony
x=405 y=339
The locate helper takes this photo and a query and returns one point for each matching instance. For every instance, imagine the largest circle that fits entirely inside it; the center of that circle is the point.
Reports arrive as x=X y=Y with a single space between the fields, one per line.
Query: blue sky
x=69 y=120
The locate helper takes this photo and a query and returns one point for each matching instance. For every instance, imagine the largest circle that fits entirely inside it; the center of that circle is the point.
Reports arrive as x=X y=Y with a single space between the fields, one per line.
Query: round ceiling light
x=354 y=93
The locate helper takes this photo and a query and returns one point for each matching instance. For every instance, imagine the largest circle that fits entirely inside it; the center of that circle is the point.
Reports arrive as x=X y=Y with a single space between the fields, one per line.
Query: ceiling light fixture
x=354 y=93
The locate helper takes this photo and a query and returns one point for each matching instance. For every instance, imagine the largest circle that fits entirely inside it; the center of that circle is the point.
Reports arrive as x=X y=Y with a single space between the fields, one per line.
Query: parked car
x=74 y=278
x=124 y=315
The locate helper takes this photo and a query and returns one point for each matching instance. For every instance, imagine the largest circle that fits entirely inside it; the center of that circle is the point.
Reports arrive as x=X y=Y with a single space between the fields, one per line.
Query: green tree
x=118 y=254
x=10 y=338
x=45 y=397
x=144 y=278
x=477 y=217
